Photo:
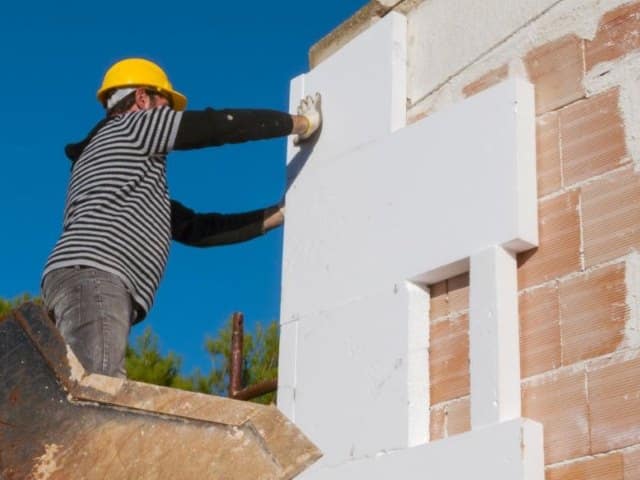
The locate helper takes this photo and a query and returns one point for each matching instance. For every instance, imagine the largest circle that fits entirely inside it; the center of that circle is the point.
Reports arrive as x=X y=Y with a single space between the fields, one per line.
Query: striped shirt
x=117 y=214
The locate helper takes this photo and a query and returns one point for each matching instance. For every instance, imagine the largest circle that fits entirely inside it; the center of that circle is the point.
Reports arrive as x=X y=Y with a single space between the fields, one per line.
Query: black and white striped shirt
x=117 y=215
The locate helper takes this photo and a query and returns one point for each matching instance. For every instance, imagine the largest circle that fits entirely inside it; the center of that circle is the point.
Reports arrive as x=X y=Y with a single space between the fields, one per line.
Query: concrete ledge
x=354 y=25
x=347 y=30
x=58 y=422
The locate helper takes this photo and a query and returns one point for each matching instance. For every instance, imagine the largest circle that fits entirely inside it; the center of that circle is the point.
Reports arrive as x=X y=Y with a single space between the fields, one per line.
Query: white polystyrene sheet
x=288 y=354
x=510 y=451
x=354 y=400
x=414 y=204
x=494 y=337
x=363 y=88
x=418 y=331
x=372 y=206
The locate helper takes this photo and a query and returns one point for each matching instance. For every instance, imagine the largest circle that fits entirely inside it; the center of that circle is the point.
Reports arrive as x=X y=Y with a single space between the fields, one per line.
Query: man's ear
x=141 y=98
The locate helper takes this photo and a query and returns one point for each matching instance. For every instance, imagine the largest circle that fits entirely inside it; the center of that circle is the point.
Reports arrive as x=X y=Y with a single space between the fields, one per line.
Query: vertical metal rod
x=237 y=341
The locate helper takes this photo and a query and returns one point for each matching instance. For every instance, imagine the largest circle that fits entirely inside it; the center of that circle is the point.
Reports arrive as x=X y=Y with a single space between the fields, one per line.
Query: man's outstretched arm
x=209 y=127
x=211 y=229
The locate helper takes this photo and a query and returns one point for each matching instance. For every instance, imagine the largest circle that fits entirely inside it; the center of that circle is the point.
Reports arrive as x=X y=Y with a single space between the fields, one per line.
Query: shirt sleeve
x=156 y=129
x=211 y=229
x=209 y=127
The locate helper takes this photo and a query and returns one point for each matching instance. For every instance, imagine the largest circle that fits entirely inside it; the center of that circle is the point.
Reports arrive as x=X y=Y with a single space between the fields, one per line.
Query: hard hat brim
x=178 y=100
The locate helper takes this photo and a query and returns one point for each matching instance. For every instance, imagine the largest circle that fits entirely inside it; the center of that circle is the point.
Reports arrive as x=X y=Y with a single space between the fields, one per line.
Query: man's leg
x=93 y=311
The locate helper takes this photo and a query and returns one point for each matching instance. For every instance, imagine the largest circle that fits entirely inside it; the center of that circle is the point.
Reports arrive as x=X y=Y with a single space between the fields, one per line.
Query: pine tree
x=145 y=363
x=260 y=358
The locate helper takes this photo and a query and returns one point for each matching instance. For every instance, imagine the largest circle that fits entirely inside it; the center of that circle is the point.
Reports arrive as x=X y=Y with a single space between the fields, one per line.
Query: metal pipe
x=237 y=363
x=237 y=357
x=256 y=390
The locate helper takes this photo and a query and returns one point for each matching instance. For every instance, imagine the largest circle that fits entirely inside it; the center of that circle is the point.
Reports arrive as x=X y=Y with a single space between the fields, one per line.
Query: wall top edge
x=353 y=26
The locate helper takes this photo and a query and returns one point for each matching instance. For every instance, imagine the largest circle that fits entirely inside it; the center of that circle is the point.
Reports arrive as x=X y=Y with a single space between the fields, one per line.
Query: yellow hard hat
x=138 y=72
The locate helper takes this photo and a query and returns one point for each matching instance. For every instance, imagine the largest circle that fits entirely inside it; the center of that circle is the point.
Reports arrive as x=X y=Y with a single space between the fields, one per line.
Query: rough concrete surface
x=356 y=24
x=58 y=422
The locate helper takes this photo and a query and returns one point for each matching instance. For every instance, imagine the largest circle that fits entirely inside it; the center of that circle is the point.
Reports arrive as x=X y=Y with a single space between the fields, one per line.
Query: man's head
x=125 y=100
x=137 y=84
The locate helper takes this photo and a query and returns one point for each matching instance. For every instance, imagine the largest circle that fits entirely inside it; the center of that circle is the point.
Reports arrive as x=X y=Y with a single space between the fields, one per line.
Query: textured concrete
x=57 y=422
x=348 y=30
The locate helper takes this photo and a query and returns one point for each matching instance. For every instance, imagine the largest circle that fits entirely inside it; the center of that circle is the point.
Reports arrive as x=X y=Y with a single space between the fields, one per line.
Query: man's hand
x=311 y=116
x=273 y=217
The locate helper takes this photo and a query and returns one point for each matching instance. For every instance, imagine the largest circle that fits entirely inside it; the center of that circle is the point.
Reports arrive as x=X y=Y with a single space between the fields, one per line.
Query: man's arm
x=211 y=229
x=209 y=127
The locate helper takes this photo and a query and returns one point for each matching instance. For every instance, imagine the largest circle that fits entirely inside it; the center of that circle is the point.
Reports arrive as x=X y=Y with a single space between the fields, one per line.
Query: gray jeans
x=93 y=311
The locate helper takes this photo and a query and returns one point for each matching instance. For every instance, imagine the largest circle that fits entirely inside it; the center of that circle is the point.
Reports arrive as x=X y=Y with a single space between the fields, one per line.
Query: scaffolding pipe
x=256 y=390
x=237 y=341
x=237 y=363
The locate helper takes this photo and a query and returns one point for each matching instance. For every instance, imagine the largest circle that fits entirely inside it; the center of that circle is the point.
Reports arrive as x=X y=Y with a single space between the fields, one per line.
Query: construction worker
x=104 y=270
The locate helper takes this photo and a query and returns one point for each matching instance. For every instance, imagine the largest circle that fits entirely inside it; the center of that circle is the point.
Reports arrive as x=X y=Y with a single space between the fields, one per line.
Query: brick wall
x=580 y=354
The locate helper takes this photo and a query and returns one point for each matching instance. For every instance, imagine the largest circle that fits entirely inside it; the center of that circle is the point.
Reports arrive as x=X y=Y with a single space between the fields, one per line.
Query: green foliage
x=145 y=363
x=7 y=305
x=262 y=362
x=260 y=358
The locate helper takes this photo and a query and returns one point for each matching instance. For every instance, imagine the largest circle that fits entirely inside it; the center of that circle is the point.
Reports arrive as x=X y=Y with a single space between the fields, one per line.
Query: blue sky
x=219 y=54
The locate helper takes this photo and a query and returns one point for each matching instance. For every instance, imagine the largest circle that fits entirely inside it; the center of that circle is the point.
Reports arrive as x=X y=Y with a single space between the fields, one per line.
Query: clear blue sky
x=219 y=54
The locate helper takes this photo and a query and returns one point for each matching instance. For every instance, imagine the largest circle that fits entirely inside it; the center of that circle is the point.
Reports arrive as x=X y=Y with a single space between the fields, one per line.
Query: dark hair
x=123 y=106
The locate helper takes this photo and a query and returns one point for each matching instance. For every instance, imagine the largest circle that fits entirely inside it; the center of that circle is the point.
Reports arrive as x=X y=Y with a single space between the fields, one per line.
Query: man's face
x=147 y=99
x=159 y=100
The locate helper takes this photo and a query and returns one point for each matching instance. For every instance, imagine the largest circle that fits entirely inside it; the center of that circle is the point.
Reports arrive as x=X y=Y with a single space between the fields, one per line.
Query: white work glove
x=310 y=109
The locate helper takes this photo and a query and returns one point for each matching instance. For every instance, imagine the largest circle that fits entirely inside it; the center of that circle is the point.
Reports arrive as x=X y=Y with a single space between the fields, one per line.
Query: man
x=103 y=272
